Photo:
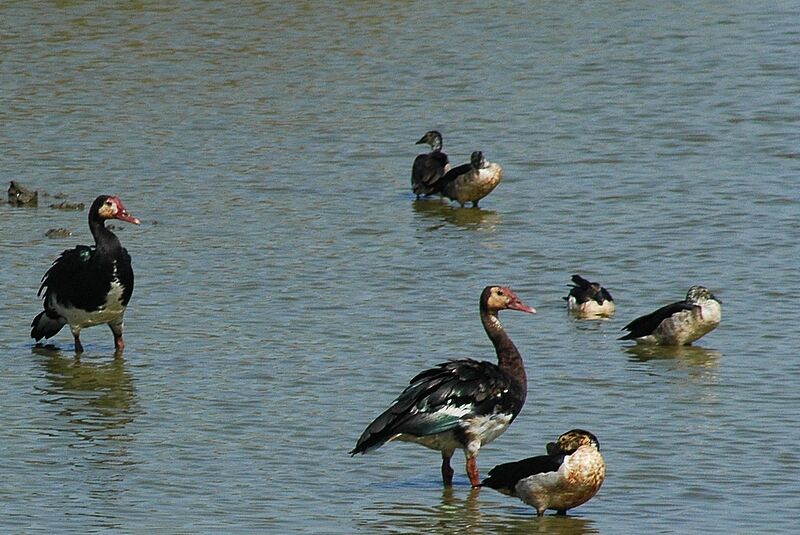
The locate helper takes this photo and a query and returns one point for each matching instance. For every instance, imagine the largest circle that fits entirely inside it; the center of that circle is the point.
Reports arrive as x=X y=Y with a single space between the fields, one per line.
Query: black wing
x=451 y=176
x=80 y=278
x=438 y=399
x=427 y=169
x=645 y=325
x=504 y=477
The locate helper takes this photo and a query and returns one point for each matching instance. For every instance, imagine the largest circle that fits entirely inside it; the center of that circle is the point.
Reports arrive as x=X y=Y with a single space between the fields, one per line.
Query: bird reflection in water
x=468 y=218
x=463 y=510
x=690 y=355
x=96 y=400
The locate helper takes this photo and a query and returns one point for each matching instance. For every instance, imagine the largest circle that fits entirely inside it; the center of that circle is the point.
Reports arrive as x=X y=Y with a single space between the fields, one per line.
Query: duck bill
x=422 y=140
x=516 y=304
x=125 y=216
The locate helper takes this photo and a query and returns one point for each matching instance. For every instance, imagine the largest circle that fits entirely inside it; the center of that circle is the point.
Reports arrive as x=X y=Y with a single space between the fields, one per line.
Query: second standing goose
x=460 y=404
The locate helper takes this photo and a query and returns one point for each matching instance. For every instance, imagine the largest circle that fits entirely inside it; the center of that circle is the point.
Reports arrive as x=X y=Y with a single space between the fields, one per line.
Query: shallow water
x=288 y=284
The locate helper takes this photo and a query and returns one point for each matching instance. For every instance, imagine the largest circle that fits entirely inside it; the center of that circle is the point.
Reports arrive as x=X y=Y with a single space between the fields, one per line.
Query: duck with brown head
x=460 y=404
x=569 y=475
x=89 y=286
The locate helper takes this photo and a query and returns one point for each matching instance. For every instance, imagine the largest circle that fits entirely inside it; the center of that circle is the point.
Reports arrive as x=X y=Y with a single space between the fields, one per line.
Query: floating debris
x=66 y=205
x=19 y=195
x=60 y=232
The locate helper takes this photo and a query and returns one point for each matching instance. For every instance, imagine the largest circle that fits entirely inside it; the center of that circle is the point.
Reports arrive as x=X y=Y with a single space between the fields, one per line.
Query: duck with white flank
x=569 y=475
x=88 y=286
x=460 y=404
x=470 y=182
x=430 y=166
x=589 y=299
x=679 y=323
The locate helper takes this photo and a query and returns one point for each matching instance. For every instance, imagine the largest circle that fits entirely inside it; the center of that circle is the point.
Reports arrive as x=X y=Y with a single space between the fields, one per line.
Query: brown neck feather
x=508 y=358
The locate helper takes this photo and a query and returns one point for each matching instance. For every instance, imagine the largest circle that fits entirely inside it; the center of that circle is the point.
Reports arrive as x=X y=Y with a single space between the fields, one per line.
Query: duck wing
x=645 y=325
x=439 y=399
x=504 y=477
x=81 y=278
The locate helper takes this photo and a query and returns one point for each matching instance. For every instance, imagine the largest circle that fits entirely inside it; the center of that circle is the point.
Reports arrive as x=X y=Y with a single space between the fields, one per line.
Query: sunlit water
x=288 y=285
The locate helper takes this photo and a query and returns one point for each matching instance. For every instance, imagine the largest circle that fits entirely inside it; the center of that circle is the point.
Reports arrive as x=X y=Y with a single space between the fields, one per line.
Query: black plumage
x=504 y=477
x=429 y=167
x=87 y=286
x=480 y=387
x=460 y=404
x=583 y=291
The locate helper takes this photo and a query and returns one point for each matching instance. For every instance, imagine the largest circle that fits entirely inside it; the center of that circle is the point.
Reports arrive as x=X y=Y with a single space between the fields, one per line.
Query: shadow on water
x=460 y=511
x=96 y=400
x=690 y=355
x=468 y=218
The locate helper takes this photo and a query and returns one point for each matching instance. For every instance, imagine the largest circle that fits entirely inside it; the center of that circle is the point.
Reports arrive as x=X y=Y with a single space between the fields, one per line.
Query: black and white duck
x=470 y=182
x=89 y=286
x=430 y=166
x=569 y=475
x=589 y=299
x=460 y=404
x=678 y=323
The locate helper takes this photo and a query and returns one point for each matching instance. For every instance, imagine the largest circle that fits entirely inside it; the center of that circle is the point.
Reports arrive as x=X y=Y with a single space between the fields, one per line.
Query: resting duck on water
x=470 y=182
x=460 y=404
x=589 y=299
x=430 y=166
x=88 y=286
x=569 y=475
x=678 y=323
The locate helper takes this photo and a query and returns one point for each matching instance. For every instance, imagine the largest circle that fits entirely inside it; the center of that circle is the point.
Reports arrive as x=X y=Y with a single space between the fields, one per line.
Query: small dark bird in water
x=19 y=195
x=589 y=299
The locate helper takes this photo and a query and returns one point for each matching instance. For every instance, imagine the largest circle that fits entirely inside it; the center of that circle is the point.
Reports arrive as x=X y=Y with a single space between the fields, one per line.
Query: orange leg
x=447 y=470
x=472 y=472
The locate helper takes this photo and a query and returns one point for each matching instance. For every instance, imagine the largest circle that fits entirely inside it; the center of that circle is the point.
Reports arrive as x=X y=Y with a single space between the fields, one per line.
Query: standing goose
x=678 y=323
x=470 y=182
x=88 y=286
x=460 y=404
x=589 y=299
x=430 y=166
x=569 y=475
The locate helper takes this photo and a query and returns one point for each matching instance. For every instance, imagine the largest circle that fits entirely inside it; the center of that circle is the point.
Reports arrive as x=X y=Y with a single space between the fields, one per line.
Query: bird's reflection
x=473 y=511
x=690 y=355
x=468 y=218
x=95 y=398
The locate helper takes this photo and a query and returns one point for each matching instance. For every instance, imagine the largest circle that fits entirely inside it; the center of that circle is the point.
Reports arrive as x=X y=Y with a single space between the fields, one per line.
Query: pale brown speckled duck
x=470 y=182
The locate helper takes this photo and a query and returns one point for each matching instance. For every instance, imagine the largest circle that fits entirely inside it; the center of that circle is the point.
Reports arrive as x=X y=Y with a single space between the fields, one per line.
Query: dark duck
x=589 y=299
x=430 y=166
x=569 y=475
x=460 y=404
x=89 y=286
x=679 y=323
x=470 y=182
